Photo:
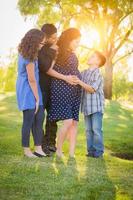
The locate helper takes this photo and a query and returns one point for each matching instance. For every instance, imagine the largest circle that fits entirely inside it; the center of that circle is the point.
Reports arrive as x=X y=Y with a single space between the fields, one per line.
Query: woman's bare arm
x=68 y=78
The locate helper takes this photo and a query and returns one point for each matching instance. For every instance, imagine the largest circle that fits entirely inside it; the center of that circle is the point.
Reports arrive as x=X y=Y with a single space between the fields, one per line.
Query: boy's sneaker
x=90 y=154
x=98 y=155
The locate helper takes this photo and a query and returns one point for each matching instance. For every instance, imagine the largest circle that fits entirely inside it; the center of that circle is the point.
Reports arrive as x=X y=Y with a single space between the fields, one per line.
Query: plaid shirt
x=92 y=103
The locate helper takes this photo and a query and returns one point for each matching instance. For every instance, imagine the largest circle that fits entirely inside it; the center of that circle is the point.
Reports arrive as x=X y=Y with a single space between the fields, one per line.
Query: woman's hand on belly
x=71 y=79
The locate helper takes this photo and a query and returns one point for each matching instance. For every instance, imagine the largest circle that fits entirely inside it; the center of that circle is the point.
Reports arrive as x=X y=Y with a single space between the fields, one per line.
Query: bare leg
x=72 y=137
x=68 y=135
x=62 y=135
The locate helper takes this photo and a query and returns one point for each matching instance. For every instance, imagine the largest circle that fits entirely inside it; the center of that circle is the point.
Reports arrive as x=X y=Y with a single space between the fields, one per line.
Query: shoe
x=30 y=156
x=100 y=156
x=52 y=148
x=39 y=155
x=47 y=151
x=96 y=155
x=90 y=154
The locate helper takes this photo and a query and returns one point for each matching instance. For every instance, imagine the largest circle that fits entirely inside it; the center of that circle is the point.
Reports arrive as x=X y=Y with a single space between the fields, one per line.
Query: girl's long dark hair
x=64 y=42
x=29 y=45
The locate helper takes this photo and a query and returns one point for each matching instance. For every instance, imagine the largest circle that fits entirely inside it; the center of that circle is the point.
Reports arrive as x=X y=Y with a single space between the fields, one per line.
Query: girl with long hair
x=28 y=91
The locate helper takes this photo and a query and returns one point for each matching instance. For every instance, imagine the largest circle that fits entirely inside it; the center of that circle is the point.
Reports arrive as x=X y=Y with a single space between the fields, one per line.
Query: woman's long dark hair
x=64 y=43
x=29 y=45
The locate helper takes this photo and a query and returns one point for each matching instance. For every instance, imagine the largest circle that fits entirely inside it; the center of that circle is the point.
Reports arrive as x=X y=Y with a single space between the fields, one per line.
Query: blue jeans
x=32 y=122
x=94 y=134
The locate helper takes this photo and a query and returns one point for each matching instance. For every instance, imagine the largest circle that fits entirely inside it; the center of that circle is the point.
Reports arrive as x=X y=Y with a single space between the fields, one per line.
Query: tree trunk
x=108 y=79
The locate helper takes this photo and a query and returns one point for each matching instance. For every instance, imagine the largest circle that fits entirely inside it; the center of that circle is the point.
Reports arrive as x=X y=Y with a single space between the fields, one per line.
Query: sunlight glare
x=90 y=38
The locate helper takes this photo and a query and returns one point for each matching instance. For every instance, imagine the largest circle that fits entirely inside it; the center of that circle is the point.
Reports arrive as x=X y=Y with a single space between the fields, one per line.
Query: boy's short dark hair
x=102 y=58
x=49 y=29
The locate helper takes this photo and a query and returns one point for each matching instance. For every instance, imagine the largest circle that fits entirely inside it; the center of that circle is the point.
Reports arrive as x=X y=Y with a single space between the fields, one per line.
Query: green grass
x=84 y=178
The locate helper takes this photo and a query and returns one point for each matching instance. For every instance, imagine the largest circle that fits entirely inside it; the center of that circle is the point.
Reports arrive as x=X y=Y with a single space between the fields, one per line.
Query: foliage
x=122 y=88
x=112 y=19
x=8 y=75
x=104 y=16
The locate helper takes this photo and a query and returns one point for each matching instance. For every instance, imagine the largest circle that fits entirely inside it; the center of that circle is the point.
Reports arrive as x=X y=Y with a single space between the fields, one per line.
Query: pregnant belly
x=60 y=86
x=68 y=71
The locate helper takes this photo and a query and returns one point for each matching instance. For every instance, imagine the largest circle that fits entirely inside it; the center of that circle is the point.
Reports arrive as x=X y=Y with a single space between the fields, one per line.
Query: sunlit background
x=13 y=27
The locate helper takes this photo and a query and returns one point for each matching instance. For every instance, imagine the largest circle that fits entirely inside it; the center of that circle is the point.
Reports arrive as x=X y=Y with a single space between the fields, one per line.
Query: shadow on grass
x=118 y=128
x=126 y=156
x=67 y=176
x=97 y=183
x=90 y=182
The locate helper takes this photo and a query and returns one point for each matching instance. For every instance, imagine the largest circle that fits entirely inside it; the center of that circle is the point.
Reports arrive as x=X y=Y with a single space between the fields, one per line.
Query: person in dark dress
x=65 y=98
x=46 y=58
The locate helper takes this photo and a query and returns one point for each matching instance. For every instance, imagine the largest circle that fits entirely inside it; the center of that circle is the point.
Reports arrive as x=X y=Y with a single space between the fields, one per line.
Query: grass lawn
x=110 y=178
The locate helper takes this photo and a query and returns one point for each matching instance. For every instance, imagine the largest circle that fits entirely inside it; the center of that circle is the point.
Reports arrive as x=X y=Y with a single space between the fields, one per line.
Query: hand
x=37 y=106
x=77 y=80
x=71 y=79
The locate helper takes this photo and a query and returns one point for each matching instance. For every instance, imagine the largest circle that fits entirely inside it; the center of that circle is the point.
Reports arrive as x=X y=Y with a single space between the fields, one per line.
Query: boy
x=46 y=58
x=92 y=104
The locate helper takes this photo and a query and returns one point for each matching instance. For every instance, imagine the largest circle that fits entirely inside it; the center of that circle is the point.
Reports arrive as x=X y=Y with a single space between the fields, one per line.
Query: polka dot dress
x=65 y=98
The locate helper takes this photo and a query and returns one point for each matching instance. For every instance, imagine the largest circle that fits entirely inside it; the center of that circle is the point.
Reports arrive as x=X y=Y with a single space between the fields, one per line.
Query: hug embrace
x=49 y=83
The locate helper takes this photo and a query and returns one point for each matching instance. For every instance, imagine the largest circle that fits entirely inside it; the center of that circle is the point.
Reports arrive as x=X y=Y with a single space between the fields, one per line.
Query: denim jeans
x=32 y=122
x=94 y=133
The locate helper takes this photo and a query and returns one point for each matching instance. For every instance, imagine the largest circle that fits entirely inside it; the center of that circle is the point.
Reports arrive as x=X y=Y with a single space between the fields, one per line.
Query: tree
x=113 y=20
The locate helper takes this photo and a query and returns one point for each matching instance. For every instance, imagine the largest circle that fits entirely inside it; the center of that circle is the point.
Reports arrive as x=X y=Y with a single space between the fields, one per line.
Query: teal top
x=25 y=96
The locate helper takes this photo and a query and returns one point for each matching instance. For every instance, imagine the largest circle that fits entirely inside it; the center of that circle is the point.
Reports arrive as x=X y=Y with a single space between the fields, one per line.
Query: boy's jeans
x=94 y=134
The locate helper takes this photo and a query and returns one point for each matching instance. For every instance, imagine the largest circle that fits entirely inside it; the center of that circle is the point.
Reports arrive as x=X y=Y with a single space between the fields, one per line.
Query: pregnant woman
x=65 y=98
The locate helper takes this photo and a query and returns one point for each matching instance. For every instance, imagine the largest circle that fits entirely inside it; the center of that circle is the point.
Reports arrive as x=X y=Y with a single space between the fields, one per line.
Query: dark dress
x=65 y=98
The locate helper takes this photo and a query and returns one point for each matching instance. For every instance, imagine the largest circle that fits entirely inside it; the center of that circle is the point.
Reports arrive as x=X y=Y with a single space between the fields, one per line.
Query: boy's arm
x=93 y=86
x=86 y=87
